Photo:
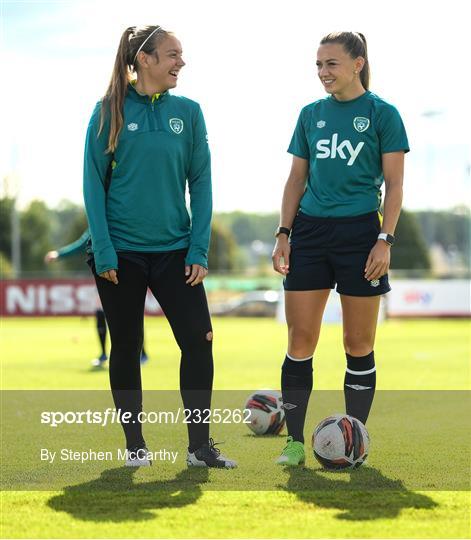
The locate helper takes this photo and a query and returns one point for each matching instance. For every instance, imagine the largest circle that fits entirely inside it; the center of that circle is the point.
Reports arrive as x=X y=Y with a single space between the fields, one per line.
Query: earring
x=355 y=72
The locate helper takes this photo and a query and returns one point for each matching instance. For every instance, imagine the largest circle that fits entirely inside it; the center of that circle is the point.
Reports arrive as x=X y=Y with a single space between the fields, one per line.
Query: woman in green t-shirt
x=331 y=233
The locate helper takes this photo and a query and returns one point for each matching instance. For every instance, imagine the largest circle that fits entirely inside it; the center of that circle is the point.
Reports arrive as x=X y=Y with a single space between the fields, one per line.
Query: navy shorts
x=333 y=251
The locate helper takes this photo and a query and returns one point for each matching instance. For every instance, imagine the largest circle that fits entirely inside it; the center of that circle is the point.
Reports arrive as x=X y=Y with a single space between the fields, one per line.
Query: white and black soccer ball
x=340 y=442
x=267 y=416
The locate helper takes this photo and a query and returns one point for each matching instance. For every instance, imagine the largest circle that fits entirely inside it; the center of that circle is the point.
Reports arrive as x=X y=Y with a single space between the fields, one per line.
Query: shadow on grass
x=359 y=495
x=366 y=495
x=116 y=497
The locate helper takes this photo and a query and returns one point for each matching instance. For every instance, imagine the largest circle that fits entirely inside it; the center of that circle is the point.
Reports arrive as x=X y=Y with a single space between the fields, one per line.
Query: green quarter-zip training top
x=162 y=146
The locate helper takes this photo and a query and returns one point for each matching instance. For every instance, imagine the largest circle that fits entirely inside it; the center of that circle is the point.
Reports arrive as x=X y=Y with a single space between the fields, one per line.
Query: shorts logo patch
x=176 y=125
x=374 y=282
x=361 y=124
x=132 y=126
x=320 y=124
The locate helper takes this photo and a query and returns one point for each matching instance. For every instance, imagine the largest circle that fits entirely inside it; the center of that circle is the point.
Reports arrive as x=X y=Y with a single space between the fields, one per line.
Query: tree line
x=233 y=234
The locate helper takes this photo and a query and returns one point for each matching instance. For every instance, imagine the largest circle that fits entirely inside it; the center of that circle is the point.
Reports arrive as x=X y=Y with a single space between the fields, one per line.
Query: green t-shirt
x=344 y=142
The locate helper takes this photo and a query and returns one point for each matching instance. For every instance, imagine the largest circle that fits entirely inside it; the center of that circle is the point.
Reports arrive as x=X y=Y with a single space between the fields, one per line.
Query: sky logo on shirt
x=332 y=148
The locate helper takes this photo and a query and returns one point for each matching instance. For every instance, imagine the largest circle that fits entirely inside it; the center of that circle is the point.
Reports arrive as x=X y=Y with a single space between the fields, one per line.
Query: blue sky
x=251 y=66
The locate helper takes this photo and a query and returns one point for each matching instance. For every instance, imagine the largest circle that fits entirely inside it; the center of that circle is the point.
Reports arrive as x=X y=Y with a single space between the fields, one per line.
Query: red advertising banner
x=61 y=297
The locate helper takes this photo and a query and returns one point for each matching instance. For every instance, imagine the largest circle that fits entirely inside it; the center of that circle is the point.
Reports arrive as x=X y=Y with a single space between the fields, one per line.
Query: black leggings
x=186 y=309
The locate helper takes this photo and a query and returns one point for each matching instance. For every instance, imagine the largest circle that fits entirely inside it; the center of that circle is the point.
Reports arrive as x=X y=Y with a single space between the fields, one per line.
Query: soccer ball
x=340 y=442
x=266 y=414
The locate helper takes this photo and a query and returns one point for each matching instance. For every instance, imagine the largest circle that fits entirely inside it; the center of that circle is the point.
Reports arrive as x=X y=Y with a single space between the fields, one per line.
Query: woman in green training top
x=331 y=233
x=153 y=144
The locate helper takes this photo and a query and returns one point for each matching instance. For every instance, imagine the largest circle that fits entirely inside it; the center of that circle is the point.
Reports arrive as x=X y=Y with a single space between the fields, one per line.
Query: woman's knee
x=127 y=341
x=358 y=343
x=301 y=341
x=195 y=340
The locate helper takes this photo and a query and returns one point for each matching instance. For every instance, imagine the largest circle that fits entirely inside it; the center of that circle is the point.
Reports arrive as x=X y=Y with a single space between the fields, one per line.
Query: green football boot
x=293 y=453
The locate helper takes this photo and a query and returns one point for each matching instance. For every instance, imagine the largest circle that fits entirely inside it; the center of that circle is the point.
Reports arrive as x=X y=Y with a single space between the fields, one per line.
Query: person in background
x=77 y=247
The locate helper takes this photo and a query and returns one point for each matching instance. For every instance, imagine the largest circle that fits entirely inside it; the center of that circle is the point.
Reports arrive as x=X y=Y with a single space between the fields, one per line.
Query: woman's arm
x=96 y=163
x=379 y=259
x=199 y=187
x=78 y=246
x=294 y=190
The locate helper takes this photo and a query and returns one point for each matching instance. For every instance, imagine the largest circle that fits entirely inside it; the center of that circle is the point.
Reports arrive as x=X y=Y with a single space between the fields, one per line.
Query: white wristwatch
x=388 y=238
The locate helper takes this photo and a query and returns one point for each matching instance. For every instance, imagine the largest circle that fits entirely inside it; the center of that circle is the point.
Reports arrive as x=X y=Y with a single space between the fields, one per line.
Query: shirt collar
x=134 y=94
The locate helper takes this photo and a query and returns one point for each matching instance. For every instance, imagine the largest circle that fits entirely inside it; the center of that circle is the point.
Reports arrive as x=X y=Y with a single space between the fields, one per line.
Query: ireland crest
x=361 y=124
x=176 y=125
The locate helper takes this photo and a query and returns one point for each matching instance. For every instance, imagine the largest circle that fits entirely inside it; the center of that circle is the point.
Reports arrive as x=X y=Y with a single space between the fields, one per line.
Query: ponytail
x=365 y=72
x=131 y=43
x=113 y=101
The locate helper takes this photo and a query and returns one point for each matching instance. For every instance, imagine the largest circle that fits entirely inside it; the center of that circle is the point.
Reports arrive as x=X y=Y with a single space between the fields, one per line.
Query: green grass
x=112 y=502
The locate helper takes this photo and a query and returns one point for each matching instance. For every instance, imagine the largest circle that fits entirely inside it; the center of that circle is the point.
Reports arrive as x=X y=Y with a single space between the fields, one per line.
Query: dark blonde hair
x=354 y=44
x=133 y=40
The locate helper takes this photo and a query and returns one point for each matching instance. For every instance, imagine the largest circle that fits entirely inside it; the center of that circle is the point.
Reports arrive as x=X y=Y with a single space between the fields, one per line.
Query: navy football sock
x=296 y=386
x=359 y=385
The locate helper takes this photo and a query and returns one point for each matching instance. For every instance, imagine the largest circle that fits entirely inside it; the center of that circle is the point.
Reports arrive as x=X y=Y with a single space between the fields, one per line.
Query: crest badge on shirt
x=132 y=126
x=176 y=125
x=361 y=124
x=320 y=124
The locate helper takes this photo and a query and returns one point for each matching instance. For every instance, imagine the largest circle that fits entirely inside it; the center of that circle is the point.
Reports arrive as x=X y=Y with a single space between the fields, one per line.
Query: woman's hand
x=196 y=273
x=281 y=250
x=378 y=261
x=51 y=256
x=110 y=275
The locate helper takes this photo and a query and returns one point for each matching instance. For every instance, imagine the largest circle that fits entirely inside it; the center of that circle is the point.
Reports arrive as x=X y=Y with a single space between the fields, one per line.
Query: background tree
x=410 y=250
x=6 y=205
x=35 y=224
x=248 y=227
x=6 y=270
x=223 y=253
x=233 y=236
x=450 y=230
x=66 y=216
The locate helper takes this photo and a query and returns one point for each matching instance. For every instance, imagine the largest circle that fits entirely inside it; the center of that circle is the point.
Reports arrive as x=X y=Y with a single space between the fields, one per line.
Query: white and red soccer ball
x=340 y=442
x=267 y=416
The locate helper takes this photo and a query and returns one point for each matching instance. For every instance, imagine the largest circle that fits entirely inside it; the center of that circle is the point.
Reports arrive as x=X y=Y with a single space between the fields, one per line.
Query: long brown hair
x=132 y=41
x=354 y=44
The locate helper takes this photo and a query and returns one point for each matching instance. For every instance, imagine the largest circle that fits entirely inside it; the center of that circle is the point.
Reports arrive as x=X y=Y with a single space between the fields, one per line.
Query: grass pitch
x=115 y=503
